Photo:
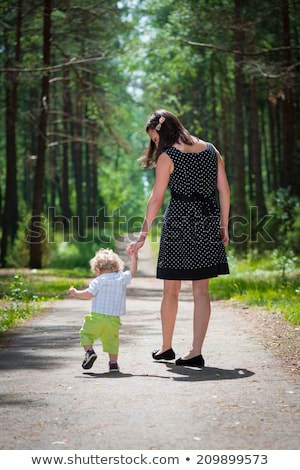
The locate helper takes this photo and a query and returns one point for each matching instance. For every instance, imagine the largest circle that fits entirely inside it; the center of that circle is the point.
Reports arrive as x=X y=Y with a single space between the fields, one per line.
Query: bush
x=17 y=305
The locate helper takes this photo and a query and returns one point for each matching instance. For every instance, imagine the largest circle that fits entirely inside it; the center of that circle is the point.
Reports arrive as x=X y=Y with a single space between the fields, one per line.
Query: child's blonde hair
x=106 y=261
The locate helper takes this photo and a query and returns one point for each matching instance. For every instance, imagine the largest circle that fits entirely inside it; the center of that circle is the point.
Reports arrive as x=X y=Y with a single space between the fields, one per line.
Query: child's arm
x=133 y=263
x=80 y=294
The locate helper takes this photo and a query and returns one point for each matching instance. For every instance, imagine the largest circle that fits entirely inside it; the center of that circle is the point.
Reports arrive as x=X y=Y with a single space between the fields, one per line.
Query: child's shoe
x=89 y=359
x=113 y=367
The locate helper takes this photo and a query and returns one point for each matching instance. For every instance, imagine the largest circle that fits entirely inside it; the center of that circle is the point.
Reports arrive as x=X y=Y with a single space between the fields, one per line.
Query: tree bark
x=256 y=151
x=289 y=166
x=241 y=232
x=37 y=232
x=10 y=214
x=77 y=161
x=65 y=203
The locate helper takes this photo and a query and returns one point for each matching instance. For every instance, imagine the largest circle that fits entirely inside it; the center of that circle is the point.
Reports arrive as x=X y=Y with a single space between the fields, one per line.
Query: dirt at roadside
x=277 y=335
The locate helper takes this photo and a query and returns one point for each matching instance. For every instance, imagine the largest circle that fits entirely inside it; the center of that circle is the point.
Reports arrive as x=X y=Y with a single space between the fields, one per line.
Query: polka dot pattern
x=191 y=245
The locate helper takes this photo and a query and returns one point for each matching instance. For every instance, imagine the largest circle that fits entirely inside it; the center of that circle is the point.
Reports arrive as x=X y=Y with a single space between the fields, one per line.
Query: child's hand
x=133 y=248
x=72 y=291
x=129 y=250
x=132 y=254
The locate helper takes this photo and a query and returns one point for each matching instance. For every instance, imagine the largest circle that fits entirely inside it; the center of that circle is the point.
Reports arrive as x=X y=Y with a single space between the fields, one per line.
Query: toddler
x=108 y=294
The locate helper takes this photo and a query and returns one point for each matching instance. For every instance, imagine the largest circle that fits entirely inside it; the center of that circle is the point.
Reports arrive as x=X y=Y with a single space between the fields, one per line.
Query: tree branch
x=53 y=68
x=275 y=76
x=229 y=51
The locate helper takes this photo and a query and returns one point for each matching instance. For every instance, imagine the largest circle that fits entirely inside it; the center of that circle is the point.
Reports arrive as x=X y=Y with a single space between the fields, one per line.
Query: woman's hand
x=134 y=247
x=224 y=235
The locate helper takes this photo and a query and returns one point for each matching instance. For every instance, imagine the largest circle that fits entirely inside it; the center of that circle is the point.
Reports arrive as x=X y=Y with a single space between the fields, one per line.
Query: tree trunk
x=93 y=170
x=241 y=232
x=256 y=151
x=37 y=233
x=10 y=214
x=77 y=162
x=272 y=130
x=67 y=106
x=289 y=158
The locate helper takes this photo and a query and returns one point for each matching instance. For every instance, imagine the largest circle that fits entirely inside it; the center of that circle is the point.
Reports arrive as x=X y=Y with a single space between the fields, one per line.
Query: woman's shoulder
x=197 y=146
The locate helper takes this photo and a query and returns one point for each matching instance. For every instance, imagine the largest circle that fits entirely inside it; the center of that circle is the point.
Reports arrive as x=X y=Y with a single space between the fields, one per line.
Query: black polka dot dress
x=190 y=246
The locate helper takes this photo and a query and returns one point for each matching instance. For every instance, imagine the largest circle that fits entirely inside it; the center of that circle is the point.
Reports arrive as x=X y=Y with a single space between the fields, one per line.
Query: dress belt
x=195 y=196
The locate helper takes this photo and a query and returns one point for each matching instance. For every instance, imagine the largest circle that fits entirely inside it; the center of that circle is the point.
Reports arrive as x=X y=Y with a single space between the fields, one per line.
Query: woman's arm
x=164 y=168
x=224 y=198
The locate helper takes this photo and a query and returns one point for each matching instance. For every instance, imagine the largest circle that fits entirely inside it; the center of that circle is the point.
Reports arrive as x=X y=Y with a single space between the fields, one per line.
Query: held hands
x=132 y=254
x=134 y=247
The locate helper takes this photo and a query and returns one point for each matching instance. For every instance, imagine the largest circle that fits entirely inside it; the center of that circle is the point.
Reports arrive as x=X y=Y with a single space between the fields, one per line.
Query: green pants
x=103 y=327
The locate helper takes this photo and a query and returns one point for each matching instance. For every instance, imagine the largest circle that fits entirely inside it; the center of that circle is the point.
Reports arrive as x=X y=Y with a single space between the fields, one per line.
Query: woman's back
x=194 y=171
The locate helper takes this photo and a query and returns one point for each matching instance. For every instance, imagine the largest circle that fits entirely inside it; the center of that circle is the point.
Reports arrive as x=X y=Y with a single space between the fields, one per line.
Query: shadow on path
x=183 y=374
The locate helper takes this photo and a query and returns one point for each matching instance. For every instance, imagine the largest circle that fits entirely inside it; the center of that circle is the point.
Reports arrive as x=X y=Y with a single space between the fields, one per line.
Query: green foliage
x=285 y=223
x=18 y=255
x=284 y=261
x=22 y=295
x=118 y=61
x=254 y=280
x=18 y=293
x=17 y=304
x=285 y=204
x=45 y=284
x=76 y=254
x=98 y=119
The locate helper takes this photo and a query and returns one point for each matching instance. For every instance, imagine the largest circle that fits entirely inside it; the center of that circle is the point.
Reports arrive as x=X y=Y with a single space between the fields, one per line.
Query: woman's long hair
x=171 y=131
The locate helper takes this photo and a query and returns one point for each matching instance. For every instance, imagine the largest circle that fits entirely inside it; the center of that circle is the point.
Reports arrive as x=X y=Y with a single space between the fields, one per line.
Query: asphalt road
x=245 y=397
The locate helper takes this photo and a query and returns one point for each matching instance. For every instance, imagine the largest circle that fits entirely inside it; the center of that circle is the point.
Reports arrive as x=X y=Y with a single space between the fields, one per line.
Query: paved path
x=243 y=399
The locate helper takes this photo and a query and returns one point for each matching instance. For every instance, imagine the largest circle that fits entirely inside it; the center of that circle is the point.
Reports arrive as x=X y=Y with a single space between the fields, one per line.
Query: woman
x=194 y=229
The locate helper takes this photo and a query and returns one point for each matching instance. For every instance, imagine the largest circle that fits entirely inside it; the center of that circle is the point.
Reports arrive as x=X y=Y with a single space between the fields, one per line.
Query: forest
x=79 y=81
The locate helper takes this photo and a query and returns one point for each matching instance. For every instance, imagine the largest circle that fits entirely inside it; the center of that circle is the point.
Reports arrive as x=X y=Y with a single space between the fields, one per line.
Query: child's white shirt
x=109 y=291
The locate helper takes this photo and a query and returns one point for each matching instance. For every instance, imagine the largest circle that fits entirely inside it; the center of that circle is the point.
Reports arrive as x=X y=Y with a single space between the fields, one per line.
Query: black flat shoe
x=197 y=361
x=167 y=355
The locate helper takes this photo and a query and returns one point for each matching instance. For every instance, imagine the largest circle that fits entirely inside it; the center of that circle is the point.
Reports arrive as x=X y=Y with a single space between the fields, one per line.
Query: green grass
x=270 y=281
x=22 y=294
x=266 y=290
x=45 y=284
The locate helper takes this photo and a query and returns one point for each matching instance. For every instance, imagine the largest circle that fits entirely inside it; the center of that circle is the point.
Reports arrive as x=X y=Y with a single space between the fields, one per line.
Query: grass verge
x=22 y=293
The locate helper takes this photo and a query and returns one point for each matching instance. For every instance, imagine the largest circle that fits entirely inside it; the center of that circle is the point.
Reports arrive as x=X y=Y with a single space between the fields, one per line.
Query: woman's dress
x=190 y=246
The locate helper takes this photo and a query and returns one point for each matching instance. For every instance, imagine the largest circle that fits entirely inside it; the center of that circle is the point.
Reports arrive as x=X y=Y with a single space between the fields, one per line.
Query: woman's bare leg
x=169 y=307
x=201 y=316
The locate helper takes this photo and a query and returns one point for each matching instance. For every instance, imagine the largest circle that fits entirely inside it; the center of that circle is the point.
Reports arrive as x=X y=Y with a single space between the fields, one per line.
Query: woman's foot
x=168 y=355
x=197 y=361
